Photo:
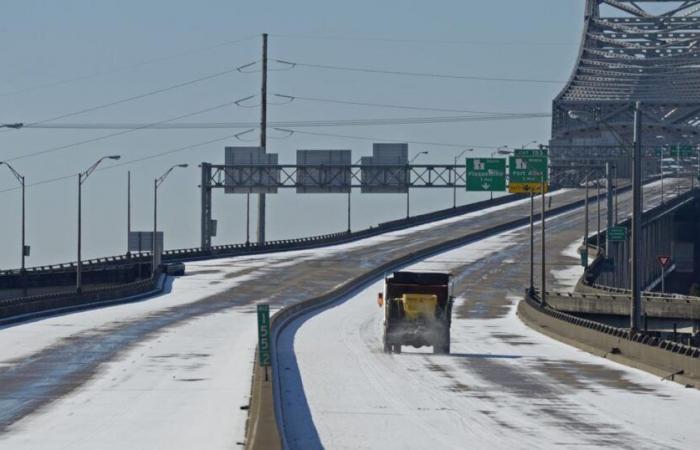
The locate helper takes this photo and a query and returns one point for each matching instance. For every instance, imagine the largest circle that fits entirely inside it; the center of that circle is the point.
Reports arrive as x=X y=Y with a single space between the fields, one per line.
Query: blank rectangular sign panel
x=323 y=171
x=250 y=170
x=386 y=171
x=142 y=241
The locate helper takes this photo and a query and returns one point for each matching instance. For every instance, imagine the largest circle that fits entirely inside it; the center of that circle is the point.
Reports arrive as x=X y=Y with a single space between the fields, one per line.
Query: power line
x=426 y=41
x=384 y=139
x=419 y=74
x=125 y=68
x=125 y=163
x=139 y=96
x=304 y=124
x=130 y=130
x=392 y=106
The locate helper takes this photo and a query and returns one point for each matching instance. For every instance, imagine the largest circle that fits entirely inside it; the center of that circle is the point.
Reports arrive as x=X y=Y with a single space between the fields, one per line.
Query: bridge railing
x=681 y=349
x=228 y=250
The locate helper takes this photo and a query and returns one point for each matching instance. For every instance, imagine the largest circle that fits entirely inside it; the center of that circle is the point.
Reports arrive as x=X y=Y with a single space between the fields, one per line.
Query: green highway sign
x=486 y=174
x=531 y=152
x=264 y=334
x=681 y=151
x=526 y=173
x=528 y=169
x=617 y=234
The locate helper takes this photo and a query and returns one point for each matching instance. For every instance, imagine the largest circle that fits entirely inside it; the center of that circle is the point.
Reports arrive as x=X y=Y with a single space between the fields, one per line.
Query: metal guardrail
x=19 y=309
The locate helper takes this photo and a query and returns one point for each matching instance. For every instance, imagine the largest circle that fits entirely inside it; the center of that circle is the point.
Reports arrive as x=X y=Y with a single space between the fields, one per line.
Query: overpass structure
x=631 y=51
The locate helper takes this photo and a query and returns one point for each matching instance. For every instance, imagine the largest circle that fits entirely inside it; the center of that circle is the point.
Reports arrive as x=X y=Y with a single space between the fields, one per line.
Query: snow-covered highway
x=503 y=386
x=173 y=371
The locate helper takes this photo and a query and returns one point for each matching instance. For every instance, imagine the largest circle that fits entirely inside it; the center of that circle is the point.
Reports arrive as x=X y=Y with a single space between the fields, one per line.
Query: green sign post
x=264 y=336
x=617 y=234
x=486 y=174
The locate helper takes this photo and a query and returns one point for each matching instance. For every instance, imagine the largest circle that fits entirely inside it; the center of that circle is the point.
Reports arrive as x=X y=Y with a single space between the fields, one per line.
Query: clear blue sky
x=45 y=42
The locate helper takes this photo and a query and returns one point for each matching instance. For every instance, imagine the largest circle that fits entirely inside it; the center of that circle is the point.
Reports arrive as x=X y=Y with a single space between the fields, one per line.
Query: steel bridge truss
x=252 y=178
x=389 y=178
x=642 y=50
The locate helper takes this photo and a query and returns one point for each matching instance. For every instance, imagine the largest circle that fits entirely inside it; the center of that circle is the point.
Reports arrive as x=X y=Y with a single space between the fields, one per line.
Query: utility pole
x=636 y=312
x=263 y=137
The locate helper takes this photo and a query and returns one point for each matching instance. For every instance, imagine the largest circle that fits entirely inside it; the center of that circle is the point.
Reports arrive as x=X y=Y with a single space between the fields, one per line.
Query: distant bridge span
x=645 y=50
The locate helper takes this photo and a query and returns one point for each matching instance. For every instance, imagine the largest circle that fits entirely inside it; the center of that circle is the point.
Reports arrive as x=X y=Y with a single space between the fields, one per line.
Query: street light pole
x=698 y=161
x=532 y=242
x=155 y=248
x=609 y=209
x=616 y=196
x=454 y=181
x=502 y=150
x=82 y=177
x=543 y=300
x=584 y=252
x=20 y=178
x=350 y=196
x=636 y=311
x=597 y=197
x=128 y=211
x=408 y=183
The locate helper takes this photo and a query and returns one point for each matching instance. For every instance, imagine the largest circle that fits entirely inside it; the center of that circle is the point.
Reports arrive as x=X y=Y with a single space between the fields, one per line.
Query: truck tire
x=446 y=343
x=443 y=346
x=385 y=342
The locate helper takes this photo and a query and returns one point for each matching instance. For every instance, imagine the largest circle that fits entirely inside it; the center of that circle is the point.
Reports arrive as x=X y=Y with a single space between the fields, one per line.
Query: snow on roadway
x=569 y=276
x=503 y=386
x=176 y=390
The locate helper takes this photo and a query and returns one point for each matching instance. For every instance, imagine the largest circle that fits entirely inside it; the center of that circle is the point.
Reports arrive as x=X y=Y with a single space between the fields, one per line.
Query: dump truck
x=417 y=310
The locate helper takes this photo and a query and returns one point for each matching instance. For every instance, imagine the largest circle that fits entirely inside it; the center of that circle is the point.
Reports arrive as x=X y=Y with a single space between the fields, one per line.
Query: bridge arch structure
x=631 y=50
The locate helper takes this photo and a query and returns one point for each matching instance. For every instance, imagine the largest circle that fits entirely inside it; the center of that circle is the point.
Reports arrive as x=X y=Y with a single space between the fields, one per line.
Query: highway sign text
x=264 y=334
x=486 y=174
